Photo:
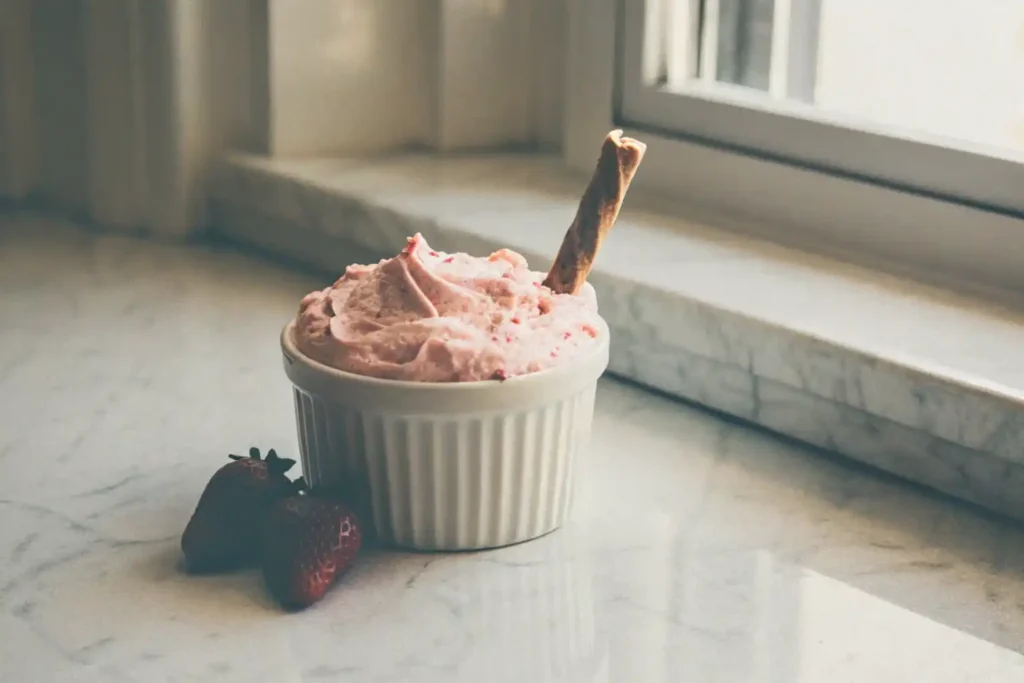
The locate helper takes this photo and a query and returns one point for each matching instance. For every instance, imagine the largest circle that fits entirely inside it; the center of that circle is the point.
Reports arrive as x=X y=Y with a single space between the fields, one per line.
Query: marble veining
x=916 y=381
x=698 y=549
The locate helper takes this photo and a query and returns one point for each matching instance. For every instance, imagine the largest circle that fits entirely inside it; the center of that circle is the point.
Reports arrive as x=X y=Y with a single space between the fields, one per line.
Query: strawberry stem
x=276 y=465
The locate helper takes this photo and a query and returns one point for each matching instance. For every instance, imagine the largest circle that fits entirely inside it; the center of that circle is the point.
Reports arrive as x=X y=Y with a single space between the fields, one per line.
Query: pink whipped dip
x=429 y=316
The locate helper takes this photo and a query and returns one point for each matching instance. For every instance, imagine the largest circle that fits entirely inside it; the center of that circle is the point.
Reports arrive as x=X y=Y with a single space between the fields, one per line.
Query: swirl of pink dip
x=428 y=316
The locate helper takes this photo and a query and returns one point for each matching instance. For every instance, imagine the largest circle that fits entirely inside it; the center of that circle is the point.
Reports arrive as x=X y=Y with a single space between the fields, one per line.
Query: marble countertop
x=699 y=549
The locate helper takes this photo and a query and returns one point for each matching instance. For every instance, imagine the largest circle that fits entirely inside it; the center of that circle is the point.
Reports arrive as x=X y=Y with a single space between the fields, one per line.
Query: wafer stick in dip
x=597 y=212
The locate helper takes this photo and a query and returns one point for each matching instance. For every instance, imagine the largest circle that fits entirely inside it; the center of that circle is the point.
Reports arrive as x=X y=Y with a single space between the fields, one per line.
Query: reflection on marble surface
x=698 y=549
x=885 y=367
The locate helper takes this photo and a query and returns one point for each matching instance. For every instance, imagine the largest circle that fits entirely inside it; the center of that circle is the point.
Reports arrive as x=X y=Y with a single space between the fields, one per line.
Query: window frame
x=801 y=133
x=934 y=239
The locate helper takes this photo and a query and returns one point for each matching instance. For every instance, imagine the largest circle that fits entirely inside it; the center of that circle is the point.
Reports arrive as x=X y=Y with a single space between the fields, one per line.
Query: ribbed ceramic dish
x=448 y=466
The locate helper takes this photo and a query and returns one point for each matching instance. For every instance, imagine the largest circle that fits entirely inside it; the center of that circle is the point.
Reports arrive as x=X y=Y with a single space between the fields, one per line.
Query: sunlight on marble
x=889 y=639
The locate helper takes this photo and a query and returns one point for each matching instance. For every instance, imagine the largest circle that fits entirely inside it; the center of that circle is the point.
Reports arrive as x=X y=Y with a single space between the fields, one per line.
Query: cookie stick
x=596 y=214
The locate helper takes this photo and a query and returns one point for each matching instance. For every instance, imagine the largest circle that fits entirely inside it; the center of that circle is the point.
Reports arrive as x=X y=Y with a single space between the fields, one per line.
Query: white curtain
x=114 y=109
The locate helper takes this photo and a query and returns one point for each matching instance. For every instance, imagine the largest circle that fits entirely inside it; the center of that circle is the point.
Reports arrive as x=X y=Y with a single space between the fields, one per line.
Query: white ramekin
x=448 y=466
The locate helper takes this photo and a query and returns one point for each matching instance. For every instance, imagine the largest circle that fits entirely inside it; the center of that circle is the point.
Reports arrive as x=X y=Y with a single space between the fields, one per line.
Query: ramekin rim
x=291 y=349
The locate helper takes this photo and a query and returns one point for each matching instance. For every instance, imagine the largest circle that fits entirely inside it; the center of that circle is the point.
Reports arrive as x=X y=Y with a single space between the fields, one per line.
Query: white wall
x=350 y=76
x=366 y=75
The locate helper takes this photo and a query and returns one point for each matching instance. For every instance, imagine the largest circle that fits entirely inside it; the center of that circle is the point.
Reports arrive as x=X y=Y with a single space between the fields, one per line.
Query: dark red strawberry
x=308 y=542
x=225 y=529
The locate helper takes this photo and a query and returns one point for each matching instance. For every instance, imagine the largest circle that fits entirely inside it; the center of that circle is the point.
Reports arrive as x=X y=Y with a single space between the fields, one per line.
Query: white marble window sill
x=910 y=379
